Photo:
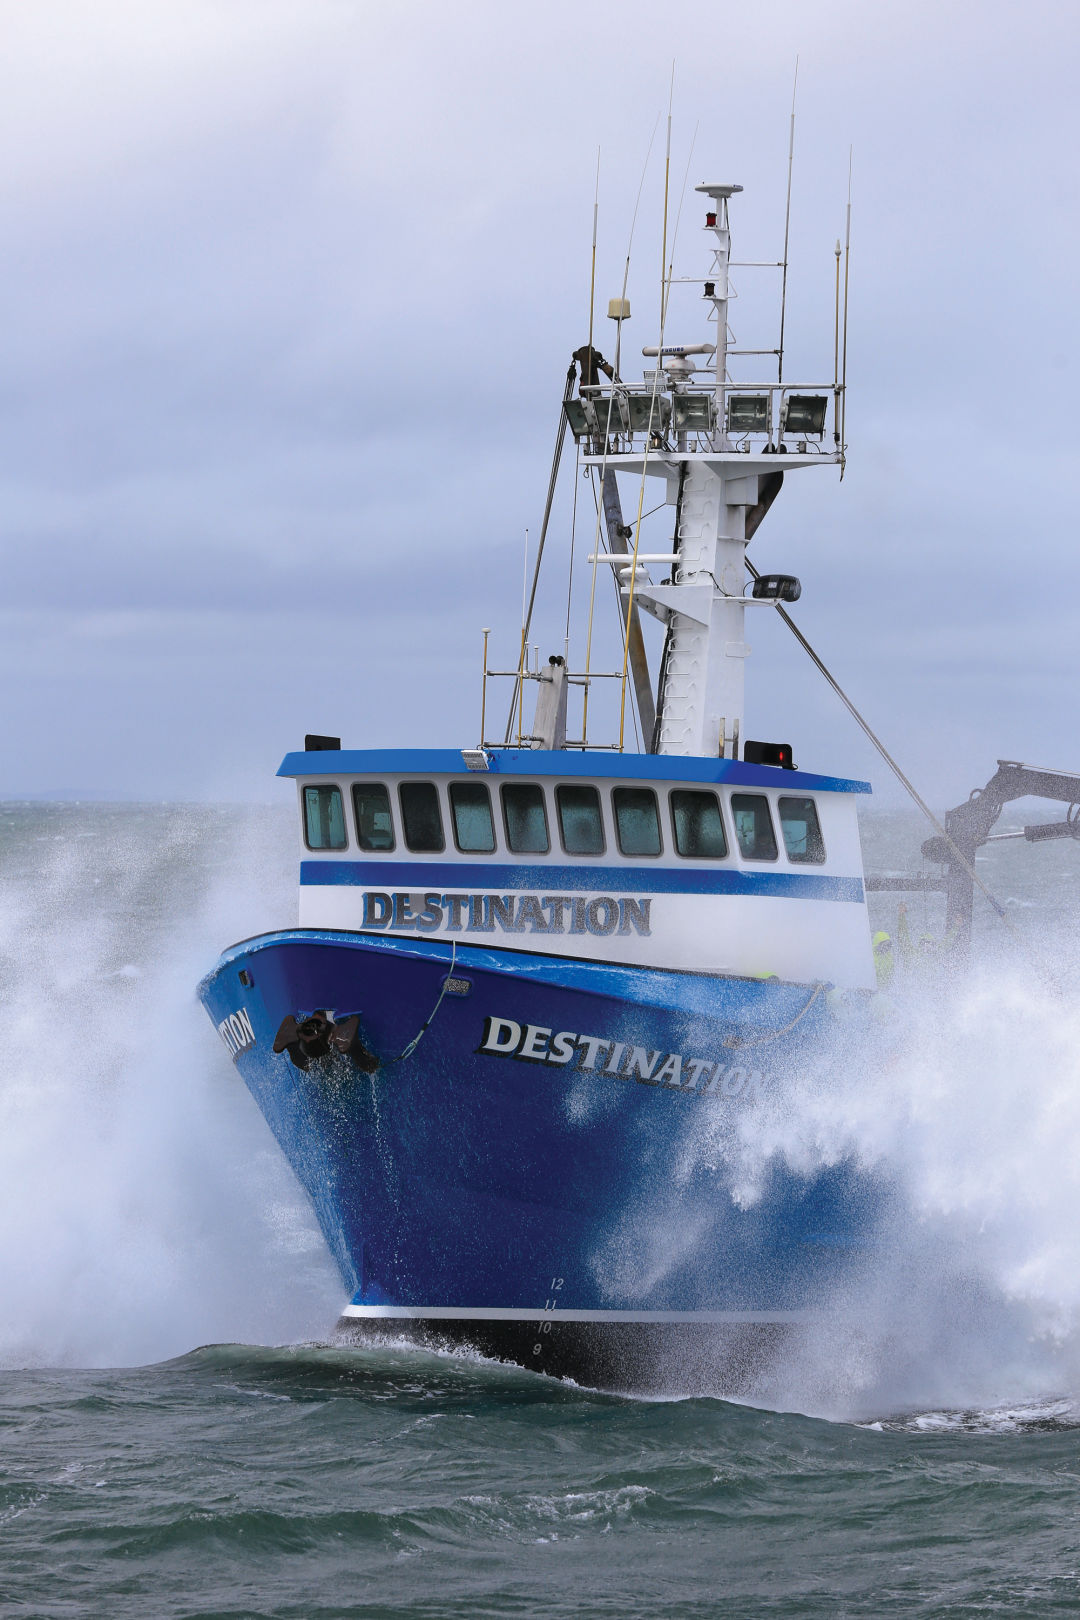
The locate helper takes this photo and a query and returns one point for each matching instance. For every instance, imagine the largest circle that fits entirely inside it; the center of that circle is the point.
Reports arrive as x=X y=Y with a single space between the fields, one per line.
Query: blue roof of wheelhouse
x=562 y=763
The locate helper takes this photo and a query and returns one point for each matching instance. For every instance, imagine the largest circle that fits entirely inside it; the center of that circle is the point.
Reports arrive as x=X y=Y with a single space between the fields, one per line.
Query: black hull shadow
x=626 y=1358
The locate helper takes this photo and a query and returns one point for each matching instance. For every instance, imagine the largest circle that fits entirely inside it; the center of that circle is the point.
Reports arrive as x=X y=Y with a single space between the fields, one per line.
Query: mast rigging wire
x=607 y=440
x=560 y=439
x=884 y=752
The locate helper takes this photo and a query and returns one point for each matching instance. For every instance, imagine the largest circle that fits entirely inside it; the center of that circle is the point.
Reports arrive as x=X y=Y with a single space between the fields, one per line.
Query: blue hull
x=544 y=1172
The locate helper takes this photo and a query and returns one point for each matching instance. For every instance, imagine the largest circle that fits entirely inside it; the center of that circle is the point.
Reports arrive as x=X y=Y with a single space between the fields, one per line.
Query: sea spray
x=962 y=1102
x=145 y=1207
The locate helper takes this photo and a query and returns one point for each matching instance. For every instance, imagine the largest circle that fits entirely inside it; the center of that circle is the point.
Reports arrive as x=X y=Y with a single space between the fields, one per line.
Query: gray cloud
x=288 y=292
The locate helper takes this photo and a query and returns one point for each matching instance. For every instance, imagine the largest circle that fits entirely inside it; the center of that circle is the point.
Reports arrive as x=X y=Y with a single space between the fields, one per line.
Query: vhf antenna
x=592 y=277
x=667 y=179
x=847 y=278
x=787 y=227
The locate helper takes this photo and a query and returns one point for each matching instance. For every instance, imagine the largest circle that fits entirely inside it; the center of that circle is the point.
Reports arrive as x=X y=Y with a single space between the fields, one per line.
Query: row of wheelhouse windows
x=698 y=825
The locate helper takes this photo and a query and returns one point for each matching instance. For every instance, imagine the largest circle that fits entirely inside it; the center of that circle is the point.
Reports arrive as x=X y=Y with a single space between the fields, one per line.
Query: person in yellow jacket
x=884 y=959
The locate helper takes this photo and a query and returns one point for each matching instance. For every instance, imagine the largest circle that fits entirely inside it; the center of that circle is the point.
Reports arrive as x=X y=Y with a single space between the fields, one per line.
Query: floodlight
x=804 y=413
x=748 y=413
x=575 y=416
x=693 y=413
x=649 y=413
x=610 y=412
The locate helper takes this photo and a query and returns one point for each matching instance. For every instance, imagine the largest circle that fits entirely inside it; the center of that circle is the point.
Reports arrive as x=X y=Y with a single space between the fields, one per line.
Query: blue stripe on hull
x=549 y=878
x=464 y=1178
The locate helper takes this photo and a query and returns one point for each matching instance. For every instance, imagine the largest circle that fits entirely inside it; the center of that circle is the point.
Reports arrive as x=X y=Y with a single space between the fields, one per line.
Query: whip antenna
x=667 y=182
x=592 y=276
x=678 y=217
x=629 y=250
x=847 y=277
x=787 y=226
x=836 y=354
x=523 y=658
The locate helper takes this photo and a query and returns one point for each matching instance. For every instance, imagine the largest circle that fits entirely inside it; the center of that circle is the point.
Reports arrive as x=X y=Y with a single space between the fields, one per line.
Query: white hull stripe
x=467 y=1313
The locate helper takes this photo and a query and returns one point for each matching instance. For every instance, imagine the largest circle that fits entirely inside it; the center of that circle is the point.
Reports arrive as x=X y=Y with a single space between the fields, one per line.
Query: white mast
x=703 y=687
x=715 y=483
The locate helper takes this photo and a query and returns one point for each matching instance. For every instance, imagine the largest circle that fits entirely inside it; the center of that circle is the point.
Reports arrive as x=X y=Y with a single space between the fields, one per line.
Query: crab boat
x=536 y=985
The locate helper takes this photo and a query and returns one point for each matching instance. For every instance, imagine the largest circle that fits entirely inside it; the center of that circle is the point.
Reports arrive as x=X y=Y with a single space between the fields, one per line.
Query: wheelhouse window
x=470 y=806
x=421 y=817
x=753 y=826
x=324 y=817
x=637 y=821
x=373 y=816
x=581 y=824
x=525 y=818
x=801 y=829
x=698 y=824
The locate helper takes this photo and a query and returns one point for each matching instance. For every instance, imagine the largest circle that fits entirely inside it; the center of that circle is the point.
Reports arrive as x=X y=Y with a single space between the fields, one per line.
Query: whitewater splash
x=145 y=1206
x=147 y=1209
x=966 y=1110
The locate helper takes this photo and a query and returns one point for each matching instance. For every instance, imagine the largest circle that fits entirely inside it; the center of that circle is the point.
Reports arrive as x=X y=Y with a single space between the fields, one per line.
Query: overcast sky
x=287 y=294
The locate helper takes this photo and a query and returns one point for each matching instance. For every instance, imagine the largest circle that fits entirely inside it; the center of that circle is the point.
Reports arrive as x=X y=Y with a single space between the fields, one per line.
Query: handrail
x=685 y=384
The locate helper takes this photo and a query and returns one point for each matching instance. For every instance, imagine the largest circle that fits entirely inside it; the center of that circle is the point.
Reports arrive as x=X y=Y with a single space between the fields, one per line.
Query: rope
x=415 y=1042
x=592 y=589
x=573 y=544
x=634 y=563
x=775 y=1034
x=653 y=417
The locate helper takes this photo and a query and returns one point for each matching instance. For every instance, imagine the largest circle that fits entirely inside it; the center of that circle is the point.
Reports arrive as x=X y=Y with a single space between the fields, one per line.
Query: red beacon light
x=710 y=219
x=767 y=753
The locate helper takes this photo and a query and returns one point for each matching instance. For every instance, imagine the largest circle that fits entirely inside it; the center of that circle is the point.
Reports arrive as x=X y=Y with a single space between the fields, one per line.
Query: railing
x=519 y=737
x=767 y=417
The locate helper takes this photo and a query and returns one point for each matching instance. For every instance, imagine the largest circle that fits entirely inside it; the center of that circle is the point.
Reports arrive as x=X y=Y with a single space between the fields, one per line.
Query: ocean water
x=177 y=1438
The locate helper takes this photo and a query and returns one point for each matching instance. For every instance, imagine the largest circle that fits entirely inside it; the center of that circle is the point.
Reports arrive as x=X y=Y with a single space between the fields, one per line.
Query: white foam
x=968 y=1113
x=146 y=1206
